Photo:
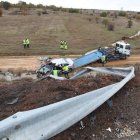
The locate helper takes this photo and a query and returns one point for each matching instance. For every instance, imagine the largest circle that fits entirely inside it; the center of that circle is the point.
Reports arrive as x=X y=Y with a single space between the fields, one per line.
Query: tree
x=6 y=5
x=24 y=12
x=108 y=12
x=103 y=14
x=130 y=23
x=1 y=12
x=1 y=4
x=127 y=16
x=105 y=22
x=71 y=10
x=115 y=14
x=121 y=13
x=64 y=9
x=97 y=19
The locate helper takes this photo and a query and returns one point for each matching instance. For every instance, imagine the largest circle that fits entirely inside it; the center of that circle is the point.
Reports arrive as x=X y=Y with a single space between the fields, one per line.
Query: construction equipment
x=121 y=50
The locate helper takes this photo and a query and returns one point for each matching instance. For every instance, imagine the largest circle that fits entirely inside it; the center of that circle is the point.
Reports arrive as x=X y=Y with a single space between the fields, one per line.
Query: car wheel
x=39 y=75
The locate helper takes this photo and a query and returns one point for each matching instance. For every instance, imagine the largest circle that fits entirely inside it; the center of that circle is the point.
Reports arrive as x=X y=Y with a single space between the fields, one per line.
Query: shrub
x=115 y=14
x=103 y=14
x=110 y=27
x=138 y=13
x=97 y=19
x=89 y=19
x=105 y=22
x=39 y=13
x=64 y=9
x=1 y=4
x=1 y=12
x=136 y=16
x=71 y=10
x=121 y=13
x=6 y=5
x=130 y=23
x=24 y=12
x=55 y=8
x=44 y=12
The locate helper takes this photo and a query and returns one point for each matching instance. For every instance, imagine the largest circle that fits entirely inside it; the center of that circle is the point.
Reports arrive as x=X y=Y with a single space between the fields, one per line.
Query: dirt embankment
x=123 y=115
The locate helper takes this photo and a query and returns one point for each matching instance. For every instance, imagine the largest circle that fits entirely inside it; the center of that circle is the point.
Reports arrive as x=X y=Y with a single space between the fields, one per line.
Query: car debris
x=110 y=103
x=82 y=125
x=92 y=118
x=73 y=134
x=108 y=129
x=13 y=102
x=127 y=93
x=117 y=130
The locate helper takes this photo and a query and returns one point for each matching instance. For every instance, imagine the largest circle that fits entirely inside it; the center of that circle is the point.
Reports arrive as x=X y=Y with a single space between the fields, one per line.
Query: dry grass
x=46 y=31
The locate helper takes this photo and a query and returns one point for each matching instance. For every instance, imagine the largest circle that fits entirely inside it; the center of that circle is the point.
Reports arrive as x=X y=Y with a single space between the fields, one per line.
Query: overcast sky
x=133 y=5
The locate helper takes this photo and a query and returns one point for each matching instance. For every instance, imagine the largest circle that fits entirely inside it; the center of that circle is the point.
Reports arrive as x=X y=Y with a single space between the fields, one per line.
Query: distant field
x=46 y=31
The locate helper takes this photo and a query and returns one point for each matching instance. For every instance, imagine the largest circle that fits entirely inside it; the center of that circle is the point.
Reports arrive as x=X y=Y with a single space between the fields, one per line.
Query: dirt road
x=31 y=62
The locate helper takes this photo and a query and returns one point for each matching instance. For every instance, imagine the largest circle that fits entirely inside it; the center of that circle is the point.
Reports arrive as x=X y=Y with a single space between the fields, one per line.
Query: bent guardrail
x=43 y=123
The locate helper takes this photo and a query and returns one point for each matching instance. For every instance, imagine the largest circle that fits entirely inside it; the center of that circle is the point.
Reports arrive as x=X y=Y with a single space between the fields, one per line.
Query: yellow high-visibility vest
x=65 y=68
x=55 y=72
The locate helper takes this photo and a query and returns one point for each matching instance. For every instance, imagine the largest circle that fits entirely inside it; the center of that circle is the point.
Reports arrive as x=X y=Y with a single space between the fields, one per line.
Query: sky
x=126 y=5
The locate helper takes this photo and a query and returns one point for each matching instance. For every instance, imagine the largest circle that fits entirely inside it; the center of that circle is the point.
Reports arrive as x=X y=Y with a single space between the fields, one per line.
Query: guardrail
x=43 y=123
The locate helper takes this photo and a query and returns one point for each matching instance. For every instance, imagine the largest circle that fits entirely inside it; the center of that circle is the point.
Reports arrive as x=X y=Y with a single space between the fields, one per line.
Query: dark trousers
x=103 y=64
x=24 y=46
x=27 y=45
x=66 y=75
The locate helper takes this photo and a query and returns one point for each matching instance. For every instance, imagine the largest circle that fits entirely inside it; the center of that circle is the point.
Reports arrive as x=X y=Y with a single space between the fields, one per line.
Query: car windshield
x=127 y=47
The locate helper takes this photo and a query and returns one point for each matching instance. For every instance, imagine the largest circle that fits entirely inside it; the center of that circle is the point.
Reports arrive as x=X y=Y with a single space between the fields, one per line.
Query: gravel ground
x=122 y=118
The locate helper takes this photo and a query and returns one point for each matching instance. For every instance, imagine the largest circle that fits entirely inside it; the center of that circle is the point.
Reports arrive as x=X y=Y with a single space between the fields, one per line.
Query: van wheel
x=124 y=57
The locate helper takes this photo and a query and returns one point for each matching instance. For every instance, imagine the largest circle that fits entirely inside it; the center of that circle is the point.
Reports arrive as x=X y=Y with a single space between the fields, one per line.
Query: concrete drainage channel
x=44 y=123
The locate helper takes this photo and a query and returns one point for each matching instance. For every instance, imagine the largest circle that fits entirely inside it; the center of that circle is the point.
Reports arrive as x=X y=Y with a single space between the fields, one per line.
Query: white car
x=60 y=61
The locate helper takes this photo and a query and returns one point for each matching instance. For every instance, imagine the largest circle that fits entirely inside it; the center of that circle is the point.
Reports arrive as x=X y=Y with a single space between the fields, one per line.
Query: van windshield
x=127 y=47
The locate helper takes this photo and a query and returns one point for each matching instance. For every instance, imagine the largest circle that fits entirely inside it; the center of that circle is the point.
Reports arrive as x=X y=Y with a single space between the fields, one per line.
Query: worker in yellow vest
x=66 y=71
x=61 y=44
x=66 y=45
x=24 y=43
x=55 y=72
x=103 y=59
x=27 y=43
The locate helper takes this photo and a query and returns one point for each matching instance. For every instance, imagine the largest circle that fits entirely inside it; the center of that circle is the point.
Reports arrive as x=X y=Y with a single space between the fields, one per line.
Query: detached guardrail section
x=44 y=123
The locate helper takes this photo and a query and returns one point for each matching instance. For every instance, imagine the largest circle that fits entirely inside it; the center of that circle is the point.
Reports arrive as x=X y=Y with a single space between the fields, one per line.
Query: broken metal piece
x=92 y=118
x=42 y=103
x=127 y=93
x=117 y=130
x=110 y=102
x=13 y=102
x=73 y=134
x=116 y=119
x=122 y=116
x=108 y=129
x=82 y=125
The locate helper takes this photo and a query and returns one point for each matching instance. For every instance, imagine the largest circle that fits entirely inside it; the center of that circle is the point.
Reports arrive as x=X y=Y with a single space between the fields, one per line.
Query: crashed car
x=57 y=63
